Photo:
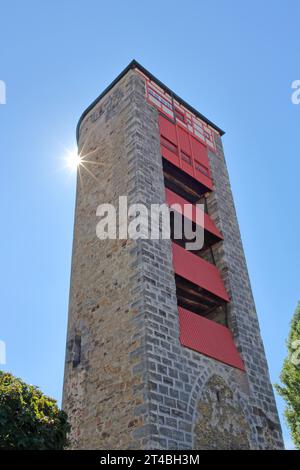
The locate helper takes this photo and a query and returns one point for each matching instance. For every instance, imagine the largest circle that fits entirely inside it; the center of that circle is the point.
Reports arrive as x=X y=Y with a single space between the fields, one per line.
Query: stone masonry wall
x=105 y=390
x=128 y=381
x=242 y=317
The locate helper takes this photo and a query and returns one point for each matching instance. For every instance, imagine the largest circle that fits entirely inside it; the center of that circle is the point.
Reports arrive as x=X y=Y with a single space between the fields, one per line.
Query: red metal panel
x=170 y=155
x=184 y=141
x=209 y=338
x=173 y=198
x=197 y=270
x=202 y=178
x=169 y=144
x=200 y=154
x=176 y=148
x=167 y=129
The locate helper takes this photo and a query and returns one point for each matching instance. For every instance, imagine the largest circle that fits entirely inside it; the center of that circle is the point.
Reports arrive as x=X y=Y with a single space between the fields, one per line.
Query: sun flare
x=84 y=162
x=73 y=160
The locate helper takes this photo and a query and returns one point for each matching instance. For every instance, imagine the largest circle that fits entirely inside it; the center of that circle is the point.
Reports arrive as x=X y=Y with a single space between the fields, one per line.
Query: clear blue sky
x=233 y=61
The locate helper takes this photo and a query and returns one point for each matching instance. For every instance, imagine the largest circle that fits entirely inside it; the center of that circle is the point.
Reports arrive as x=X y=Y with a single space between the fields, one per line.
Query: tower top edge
x=136 y=65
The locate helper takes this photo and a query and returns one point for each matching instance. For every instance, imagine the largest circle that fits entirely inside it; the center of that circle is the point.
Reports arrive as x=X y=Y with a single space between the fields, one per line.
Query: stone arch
x=220 y=417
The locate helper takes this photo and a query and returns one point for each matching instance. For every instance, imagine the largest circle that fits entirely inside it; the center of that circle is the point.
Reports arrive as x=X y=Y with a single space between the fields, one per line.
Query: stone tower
x=163 y=349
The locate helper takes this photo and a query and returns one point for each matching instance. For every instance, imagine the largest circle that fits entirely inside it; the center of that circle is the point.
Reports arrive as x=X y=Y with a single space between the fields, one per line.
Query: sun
x=83 y=162
x=73 y=159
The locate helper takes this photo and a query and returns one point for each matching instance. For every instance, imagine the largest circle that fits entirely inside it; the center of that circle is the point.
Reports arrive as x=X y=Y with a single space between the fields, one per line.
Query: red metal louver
x=198 y=271
x=209 y=225
x=208 y=338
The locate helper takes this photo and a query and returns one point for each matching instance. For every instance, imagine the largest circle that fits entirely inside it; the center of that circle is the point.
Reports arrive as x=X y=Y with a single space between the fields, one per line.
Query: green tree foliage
x=29 y=419
x=290 y=378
